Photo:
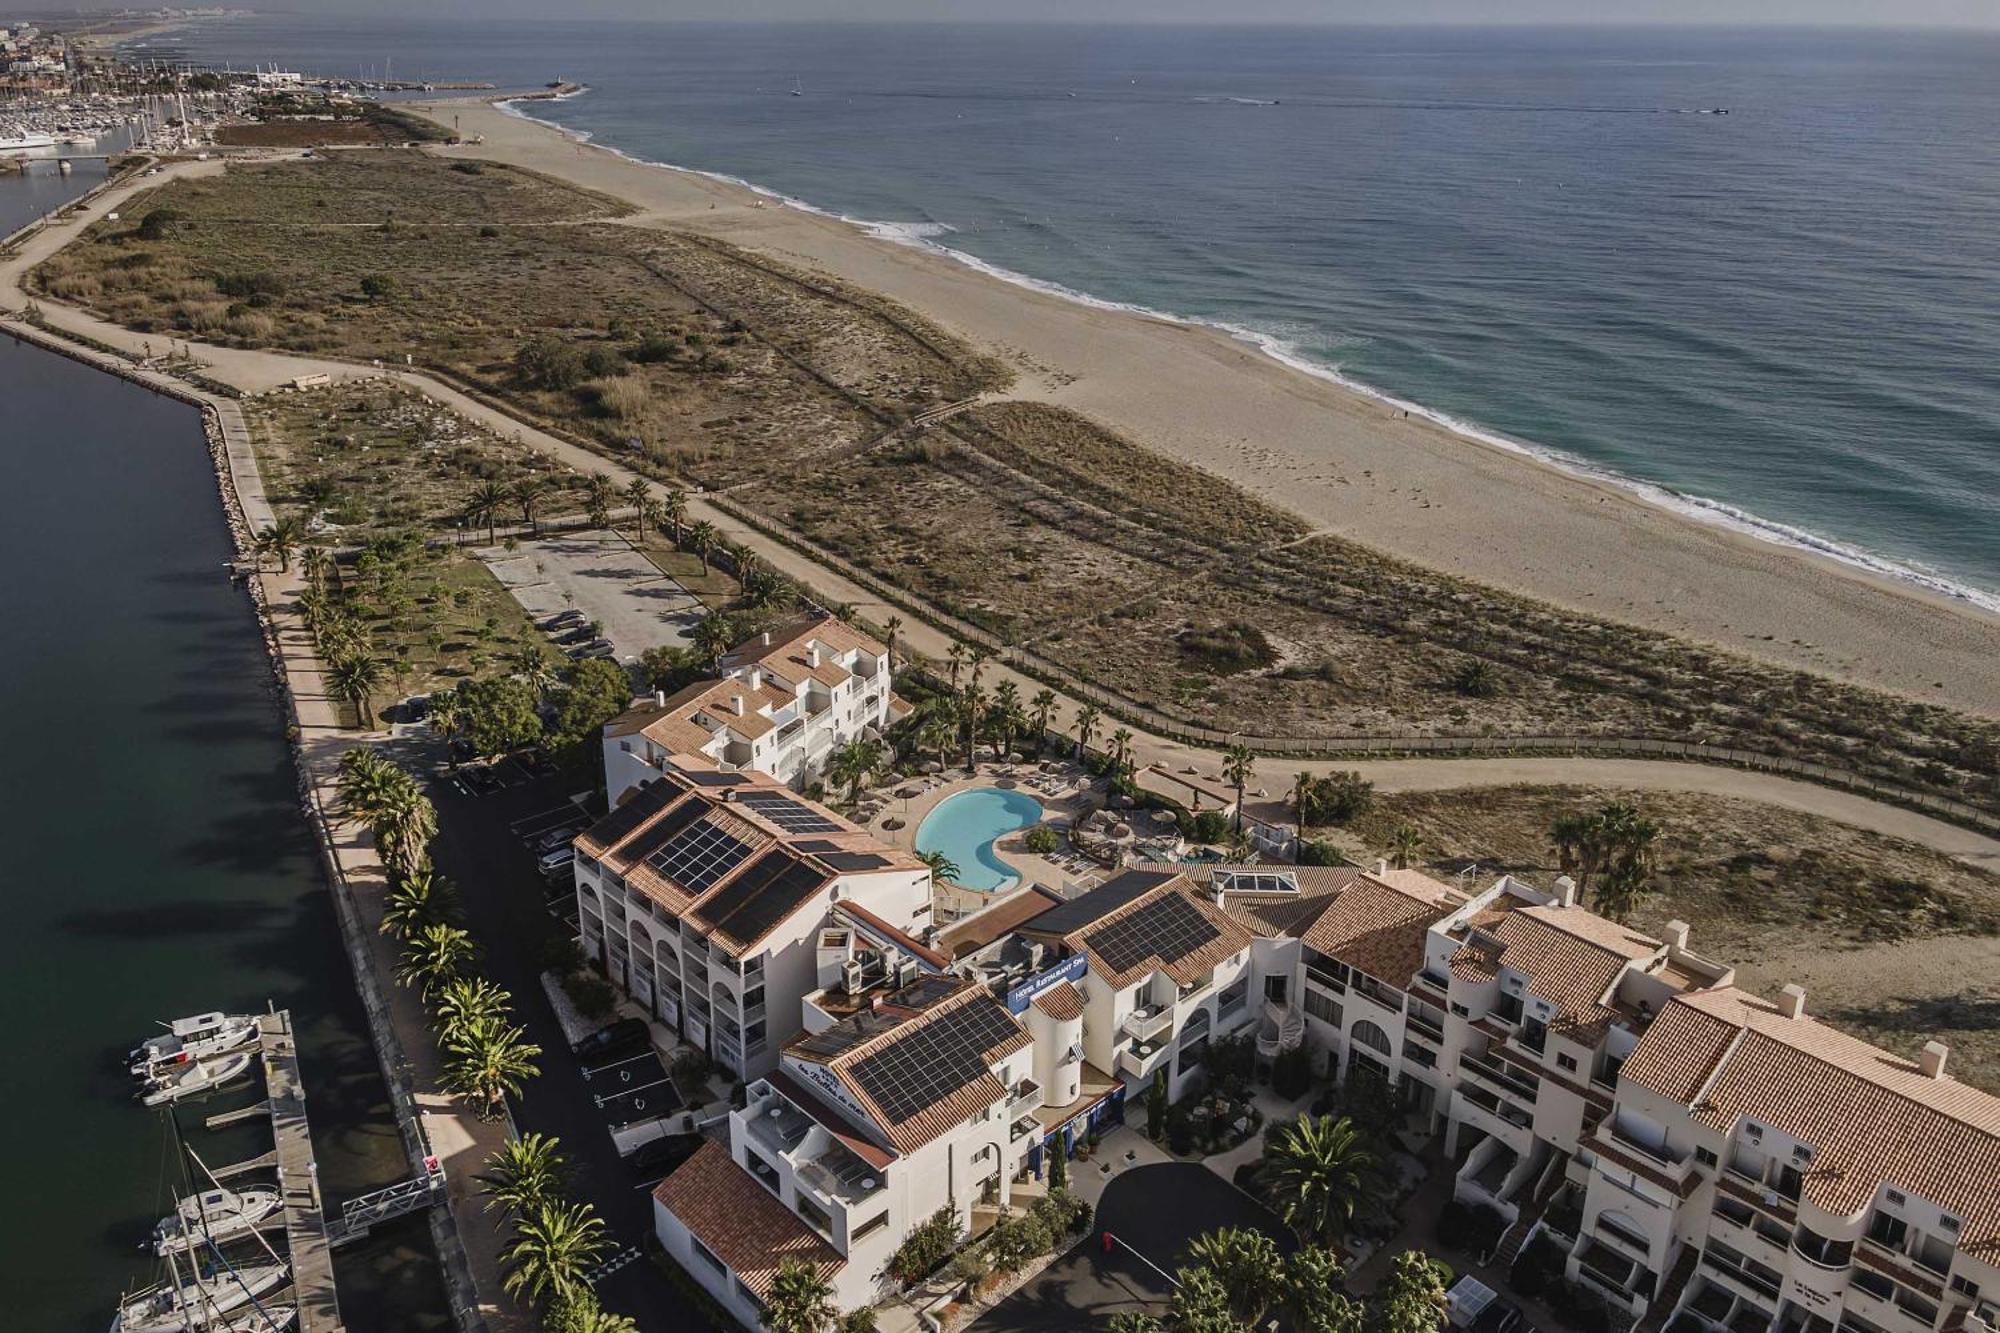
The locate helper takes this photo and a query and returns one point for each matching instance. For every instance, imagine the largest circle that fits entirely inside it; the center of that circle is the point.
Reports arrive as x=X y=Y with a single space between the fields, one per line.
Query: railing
x=1423 y=1027
x=1663 y=1156
x=1145 y=1025
x=1497 y=1106
x=1324 y=976
x=1370 y=989
x=1499 y=1077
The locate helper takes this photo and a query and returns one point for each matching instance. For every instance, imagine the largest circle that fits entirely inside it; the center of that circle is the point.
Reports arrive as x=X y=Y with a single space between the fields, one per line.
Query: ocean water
x=1784 y=317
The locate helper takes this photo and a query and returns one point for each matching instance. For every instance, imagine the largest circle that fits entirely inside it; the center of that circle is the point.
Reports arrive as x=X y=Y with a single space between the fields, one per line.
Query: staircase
x=1516 y=1238
x=1669 y=1294
x=1282 y=1030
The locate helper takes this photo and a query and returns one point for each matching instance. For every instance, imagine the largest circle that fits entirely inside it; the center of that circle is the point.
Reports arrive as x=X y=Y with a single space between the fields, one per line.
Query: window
x=1323 y=1007
x=1704 y=1156
x=1888 y=1230
x=706 y=1255
x=1965 y=1286
x=1566 y=1063
x=1881 y=1288
x=869 y=1228
x=1535 y=1036
x=1934 y=1253
x=1507 y=1008
x=1461 y=1011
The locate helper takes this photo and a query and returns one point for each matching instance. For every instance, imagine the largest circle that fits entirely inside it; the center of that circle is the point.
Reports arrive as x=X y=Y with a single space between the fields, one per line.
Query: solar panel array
x=762 y=896
x=829 y=1042
x=698 y=859
x=642 y=805
x=790 y=815
x=933 y=1060
x=1169 y=928
x=1254 y=881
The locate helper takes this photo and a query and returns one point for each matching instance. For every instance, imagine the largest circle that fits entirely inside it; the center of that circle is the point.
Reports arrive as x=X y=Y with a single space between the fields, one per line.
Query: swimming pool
x=965 y=826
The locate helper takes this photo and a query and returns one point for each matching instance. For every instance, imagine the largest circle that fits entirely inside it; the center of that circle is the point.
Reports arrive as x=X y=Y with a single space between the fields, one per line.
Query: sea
x=158 y=860
x=1751 y=273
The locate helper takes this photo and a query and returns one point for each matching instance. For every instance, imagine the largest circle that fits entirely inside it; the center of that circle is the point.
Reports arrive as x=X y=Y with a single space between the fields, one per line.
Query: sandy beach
x=1346 y=462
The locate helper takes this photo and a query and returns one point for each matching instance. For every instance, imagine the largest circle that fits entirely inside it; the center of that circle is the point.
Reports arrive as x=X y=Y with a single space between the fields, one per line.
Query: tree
x=713 y=636
x=640 y=496
x=1337 y=798
x=1059 y=1168
x=1086 y=727
x=1006 y=716
x=1404 y=844
x=1238 y=763
x=1302 y=788
x=489 y=1061
x=893 y=625
x=579 y=1312
x=488 y=498
x=469 y=1001
x=532 y=665
x=1614 y=841
x=446 y=718
x=942 y=866
x=955 y=658
x=853 y=764
x=1409 y=1298
x=929 y=1244
x=354 y=678
x=701 y=539
x=801 y=1301
x=675 y=510
x=972 y=706
x=552 y=1249
x=435 y=956
x=528 y=493
x=1247 y=1264
x=598 y=495
x=1315 y=1169
x=404 y=828
x=315 y=562
x=365 y=782
x=1201 y=1305
x=547 y=362
x=524 y=1173
x=1044 y=704
x=422 y=898
x=599 y=690
x=1156 y=1105
x=669 y=668
x=1121 y=751
x=1015 y=1239
x=500 y=714
x=1315 y=1295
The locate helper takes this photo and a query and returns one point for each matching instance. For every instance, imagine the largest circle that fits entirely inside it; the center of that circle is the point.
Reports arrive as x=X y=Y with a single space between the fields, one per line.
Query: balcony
x=1496 y=1106
x=1027 y=1096
x=1832 y=1256
x=1607 y=1268
x=1375 y=992
x=1141 y=1058
x=1424 y=1028
x=1665 y=1156
x=1766 y=1283
x=1329 y=974
x=1500 y=1077
x=1147 y=1024
x=1022 y=1128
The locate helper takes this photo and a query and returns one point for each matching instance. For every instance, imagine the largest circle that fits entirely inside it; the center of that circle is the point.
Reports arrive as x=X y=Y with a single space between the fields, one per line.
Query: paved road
x=257 y=371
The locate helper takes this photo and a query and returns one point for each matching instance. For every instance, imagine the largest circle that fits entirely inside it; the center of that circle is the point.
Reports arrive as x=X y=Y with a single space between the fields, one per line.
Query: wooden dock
x=298 y=1180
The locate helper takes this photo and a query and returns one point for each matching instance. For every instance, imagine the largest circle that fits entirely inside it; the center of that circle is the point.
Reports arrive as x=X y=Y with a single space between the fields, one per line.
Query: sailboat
x=798 y=88
x=216 y=1214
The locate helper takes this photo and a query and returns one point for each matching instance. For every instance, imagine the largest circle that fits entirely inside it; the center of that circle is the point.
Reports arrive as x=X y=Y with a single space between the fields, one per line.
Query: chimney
x=767 y=638
x=659 y=698
x=1792 y=1000
x=736 y=704
x=1565 y=891
x=756 y=678
x=1381 y=866
x=1677 y=934
x=812 y=655
x=1931 y=1061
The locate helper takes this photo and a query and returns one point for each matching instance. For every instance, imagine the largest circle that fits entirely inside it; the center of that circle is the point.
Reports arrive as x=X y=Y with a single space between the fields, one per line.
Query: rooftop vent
x=1565 y=888
x=1792 y=1000
x=1677 y=934
x=1931 y=1059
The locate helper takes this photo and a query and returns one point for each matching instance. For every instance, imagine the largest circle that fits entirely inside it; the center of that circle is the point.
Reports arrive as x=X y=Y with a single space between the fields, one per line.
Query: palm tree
x=279 y=540
x=942 y=866
x=420 y=899
x=640 y=496
x=434 y=957
x=1007 y=713
x=598 y=495
x=674 y=509
x=488 y=498
x=801 y=1301
x=354 y=677
x=552 y=1250
x=1629 y=839
x=712 y=637
x=1315 y=1169
x=1574 y=834
x=1086 y=727
x=1404 y=844
x=528 y=493
x=365 y=782
x=701 y=539
x=1302 y=786
x=977 y=660
x=894 y=625
x=1121 y=750
x=524 y=1173
x=579 y=1312
x=1045 y=708
x=854 y=763
x=1238 y=763
x=489 y=1062
x=1247 y=1263
x=468 y=1002
x=532 y=665
x=972 y=707
x=935 y=732
x=405 y=827
x=313 y=561
x=956 y=657
x=447 y=717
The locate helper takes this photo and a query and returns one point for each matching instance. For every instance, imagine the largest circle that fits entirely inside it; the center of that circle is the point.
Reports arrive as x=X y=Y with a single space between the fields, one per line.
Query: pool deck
x=953 y=902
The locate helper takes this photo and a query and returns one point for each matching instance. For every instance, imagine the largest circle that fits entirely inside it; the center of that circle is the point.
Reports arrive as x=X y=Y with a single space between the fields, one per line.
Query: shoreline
x=1351 y=464
x=1701 y=509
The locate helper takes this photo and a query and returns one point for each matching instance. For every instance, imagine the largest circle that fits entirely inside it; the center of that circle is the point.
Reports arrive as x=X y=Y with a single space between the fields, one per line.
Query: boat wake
x=1716 y=513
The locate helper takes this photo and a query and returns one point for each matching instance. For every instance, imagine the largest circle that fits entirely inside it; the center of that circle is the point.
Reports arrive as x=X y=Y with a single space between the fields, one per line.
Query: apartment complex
x=703 y=894
x=784 y=702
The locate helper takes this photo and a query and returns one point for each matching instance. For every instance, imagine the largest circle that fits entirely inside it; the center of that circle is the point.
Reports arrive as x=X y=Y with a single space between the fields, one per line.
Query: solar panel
x=854 y=860
x=829 y=1042
x=1101 y=901
x=667 y=828
x=1254 y=881
x=698 y=859
x=715 y=779
x=769 y=891
x=1168 y=929
x=786 y=813
x=642 y=805
x=933 y=1060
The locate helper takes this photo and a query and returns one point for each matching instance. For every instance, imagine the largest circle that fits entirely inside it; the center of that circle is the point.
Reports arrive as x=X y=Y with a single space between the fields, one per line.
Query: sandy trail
x=1344 y=461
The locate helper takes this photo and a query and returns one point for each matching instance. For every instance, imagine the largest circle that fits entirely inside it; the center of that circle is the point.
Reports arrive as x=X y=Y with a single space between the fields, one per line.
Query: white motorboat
x=204 y=1304
x=20 y=141
x=194 y=1038
x=213 y=1215
x=170 y=1083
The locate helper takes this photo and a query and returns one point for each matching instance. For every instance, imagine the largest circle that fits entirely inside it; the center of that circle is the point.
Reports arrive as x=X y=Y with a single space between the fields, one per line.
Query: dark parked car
x=581 y=634
x=628 y=1036
x=563 y=620
x=658 y=1157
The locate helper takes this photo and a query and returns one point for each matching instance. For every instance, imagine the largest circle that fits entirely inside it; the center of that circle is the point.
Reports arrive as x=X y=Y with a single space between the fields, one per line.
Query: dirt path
x=254 y=371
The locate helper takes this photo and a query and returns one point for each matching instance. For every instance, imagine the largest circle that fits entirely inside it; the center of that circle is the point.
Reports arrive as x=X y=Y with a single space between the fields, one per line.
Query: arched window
x=1195 y=1029
x=1371 y=1036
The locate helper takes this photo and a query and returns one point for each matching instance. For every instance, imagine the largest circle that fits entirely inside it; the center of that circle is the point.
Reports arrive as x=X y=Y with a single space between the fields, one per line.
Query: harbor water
x=159 y=863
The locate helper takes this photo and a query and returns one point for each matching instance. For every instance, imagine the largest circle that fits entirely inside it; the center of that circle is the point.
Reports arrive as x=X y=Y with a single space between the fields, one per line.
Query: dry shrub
x=201 y=316
x=626 y=399
x=75 y=287
x=252 y=326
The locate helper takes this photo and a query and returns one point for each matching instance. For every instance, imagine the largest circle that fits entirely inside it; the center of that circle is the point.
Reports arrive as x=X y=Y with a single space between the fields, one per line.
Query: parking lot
x=598 y=574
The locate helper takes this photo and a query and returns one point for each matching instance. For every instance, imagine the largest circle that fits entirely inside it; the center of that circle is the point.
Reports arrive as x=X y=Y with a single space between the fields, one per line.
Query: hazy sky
x=1898 y=13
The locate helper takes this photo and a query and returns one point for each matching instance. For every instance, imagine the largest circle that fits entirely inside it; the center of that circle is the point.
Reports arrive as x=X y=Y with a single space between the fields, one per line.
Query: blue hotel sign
x=1071 y=968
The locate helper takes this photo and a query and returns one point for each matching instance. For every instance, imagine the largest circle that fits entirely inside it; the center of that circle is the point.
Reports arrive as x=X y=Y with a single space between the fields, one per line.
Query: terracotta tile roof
x=1571 y=958
x=1678 y=1052
x=1185 y=968
x=787 y=652
x=740 y=1220
x=942 y=1037
x=1273 y=914
x=692 y=717
x=892 y=934
x=1061 y=1002
x=1380 y=928
x=1871 y=1117
x=973 y=933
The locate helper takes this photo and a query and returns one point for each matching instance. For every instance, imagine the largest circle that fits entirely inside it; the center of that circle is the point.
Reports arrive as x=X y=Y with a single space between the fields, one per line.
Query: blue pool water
x=964 y=827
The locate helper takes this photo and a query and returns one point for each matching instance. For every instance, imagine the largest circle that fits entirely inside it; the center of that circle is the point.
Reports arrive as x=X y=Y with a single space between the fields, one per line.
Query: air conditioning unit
x=850 y=976
x=906 y=972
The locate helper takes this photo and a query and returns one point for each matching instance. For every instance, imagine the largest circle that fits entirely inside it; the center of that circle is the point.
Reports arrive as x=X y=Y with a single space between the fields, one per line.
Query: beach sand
x=1346 y=462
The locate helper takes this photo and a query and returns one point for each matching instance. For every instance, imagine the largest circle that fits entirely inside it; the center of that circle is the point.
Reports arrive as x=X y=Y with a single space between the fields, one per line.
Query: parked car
x=656 y=1158
x=581 y=634
x=536 y=763
x=481 y=779
x=556 y=862
x=555 y=838
x=564 y=620
x=628 y=1036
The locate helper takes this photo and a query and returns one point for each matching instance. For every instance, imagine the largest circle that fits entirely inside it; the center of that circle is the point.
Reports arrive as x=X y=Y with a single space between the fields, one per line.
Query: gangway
x=359 y=1215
